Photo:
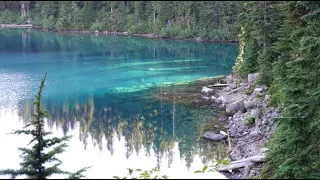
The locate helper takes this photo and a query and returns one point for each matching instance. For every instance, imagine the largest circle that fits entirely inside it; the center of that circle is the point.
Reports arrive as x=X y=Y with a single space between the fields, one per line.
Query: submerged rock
x=205 y=98
x=223 y=118
x=214 y=136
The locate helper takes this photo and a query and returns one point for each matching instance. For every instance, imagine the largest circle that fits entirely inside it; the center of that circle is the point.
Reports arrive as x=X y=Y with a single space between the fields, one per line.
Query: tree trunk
x=264 y=25
x=24 y=8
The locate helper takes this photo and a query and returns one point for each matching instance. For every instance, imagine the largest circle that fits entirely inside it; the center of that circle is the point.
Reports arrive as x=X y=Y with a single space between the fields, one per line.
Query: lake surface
x=99 y=89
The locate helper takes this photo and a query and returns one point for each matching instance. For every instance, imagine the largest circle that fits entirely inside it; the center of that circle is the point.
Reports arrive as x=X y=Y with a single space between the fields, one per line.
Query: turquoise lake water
x=98 y=88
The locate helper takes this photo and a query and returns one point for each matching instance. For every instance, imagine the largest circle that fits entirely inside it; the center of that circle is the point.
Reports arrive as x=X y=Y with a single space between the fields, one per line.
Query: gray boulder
x=254 y=133
x=227 y=89
x=220 y=100
x=250 y=104
x=214 y=136
x=206 y=90
x=198 y=39
x=229 y=79
x=264 y=88
x=252 y=77
x=257 y=90
x=244 y=116
x=237 y=115
x=265 y=122
x=255 y=113
x=267 y=98
x=214 y=99
x=232 y=86
x=234 y=107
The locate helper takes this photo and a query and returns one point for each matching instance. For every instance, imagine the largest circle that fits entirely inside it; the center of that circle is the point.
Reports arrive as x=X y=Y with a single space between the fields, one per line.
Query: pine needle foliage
x=43 y=150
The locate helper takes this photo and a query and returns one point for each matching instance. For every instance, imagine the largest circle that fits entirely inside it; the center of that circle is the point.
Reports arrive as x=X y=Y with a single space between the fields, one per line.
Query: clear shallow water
x=99 y=89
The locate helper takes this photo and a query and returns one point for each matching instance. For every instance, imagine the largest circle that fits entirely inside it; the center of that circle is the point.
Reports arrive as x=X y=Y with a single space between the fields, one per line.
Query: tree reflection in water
x=143 y=122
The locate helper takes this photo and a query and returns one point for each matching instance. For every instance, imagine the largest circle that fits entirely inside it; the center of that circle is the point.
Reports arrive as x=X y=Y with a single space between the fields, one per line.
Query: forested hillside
x=210 y=19
x=282 y=44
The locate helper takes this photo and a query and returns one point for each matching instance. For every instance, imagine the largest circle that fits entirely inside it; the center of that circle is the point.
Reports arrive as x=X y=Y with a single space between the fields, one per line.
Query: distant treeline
x=208 y=19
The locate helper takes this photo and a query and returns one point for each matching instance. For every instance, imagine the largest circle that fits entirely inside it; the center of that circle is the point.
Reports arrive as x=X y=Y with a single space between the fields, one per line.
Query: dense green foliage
x=283 y=45
x=210 y=19
x=36 y=159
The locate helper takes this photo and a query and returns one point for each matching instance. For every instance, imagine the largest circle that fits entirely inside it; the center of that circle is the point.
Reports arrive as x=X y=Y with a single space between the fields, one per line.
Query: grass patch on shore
x=249 y=120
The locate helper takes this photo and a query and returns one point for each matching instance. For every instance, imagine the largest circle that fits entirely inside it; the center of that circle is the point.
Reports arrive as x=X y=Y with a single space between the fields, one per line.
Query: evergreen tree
x=268 y=34
x=88 y=14
x=294 y=150
x=36 y=157
x=248 y=18
x=1 y=6
x=65 y=15
x=250 y=65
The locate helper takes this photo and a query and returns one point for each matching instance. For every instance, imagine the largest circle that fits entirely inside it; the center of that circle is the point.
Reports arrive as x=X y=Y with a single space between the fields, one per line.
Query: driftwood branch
x=218 y=85
x=255 y=159
x=229 y=144
x=234 y=166
x=242 y=163
x=246 y=172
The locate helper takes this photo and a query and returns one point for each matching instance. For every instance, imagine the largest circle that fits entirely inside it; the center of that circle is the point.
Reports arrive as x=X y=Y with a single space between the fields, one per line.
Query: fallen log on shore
x=242 y=163
x=16 y=25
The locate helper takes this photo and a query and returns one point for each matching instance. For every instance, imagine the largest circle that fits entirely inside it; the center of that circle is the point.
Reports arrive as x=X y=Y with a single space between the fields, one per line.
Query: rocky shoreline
x=249 y=121
x=106 y=33
x=242 y=108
